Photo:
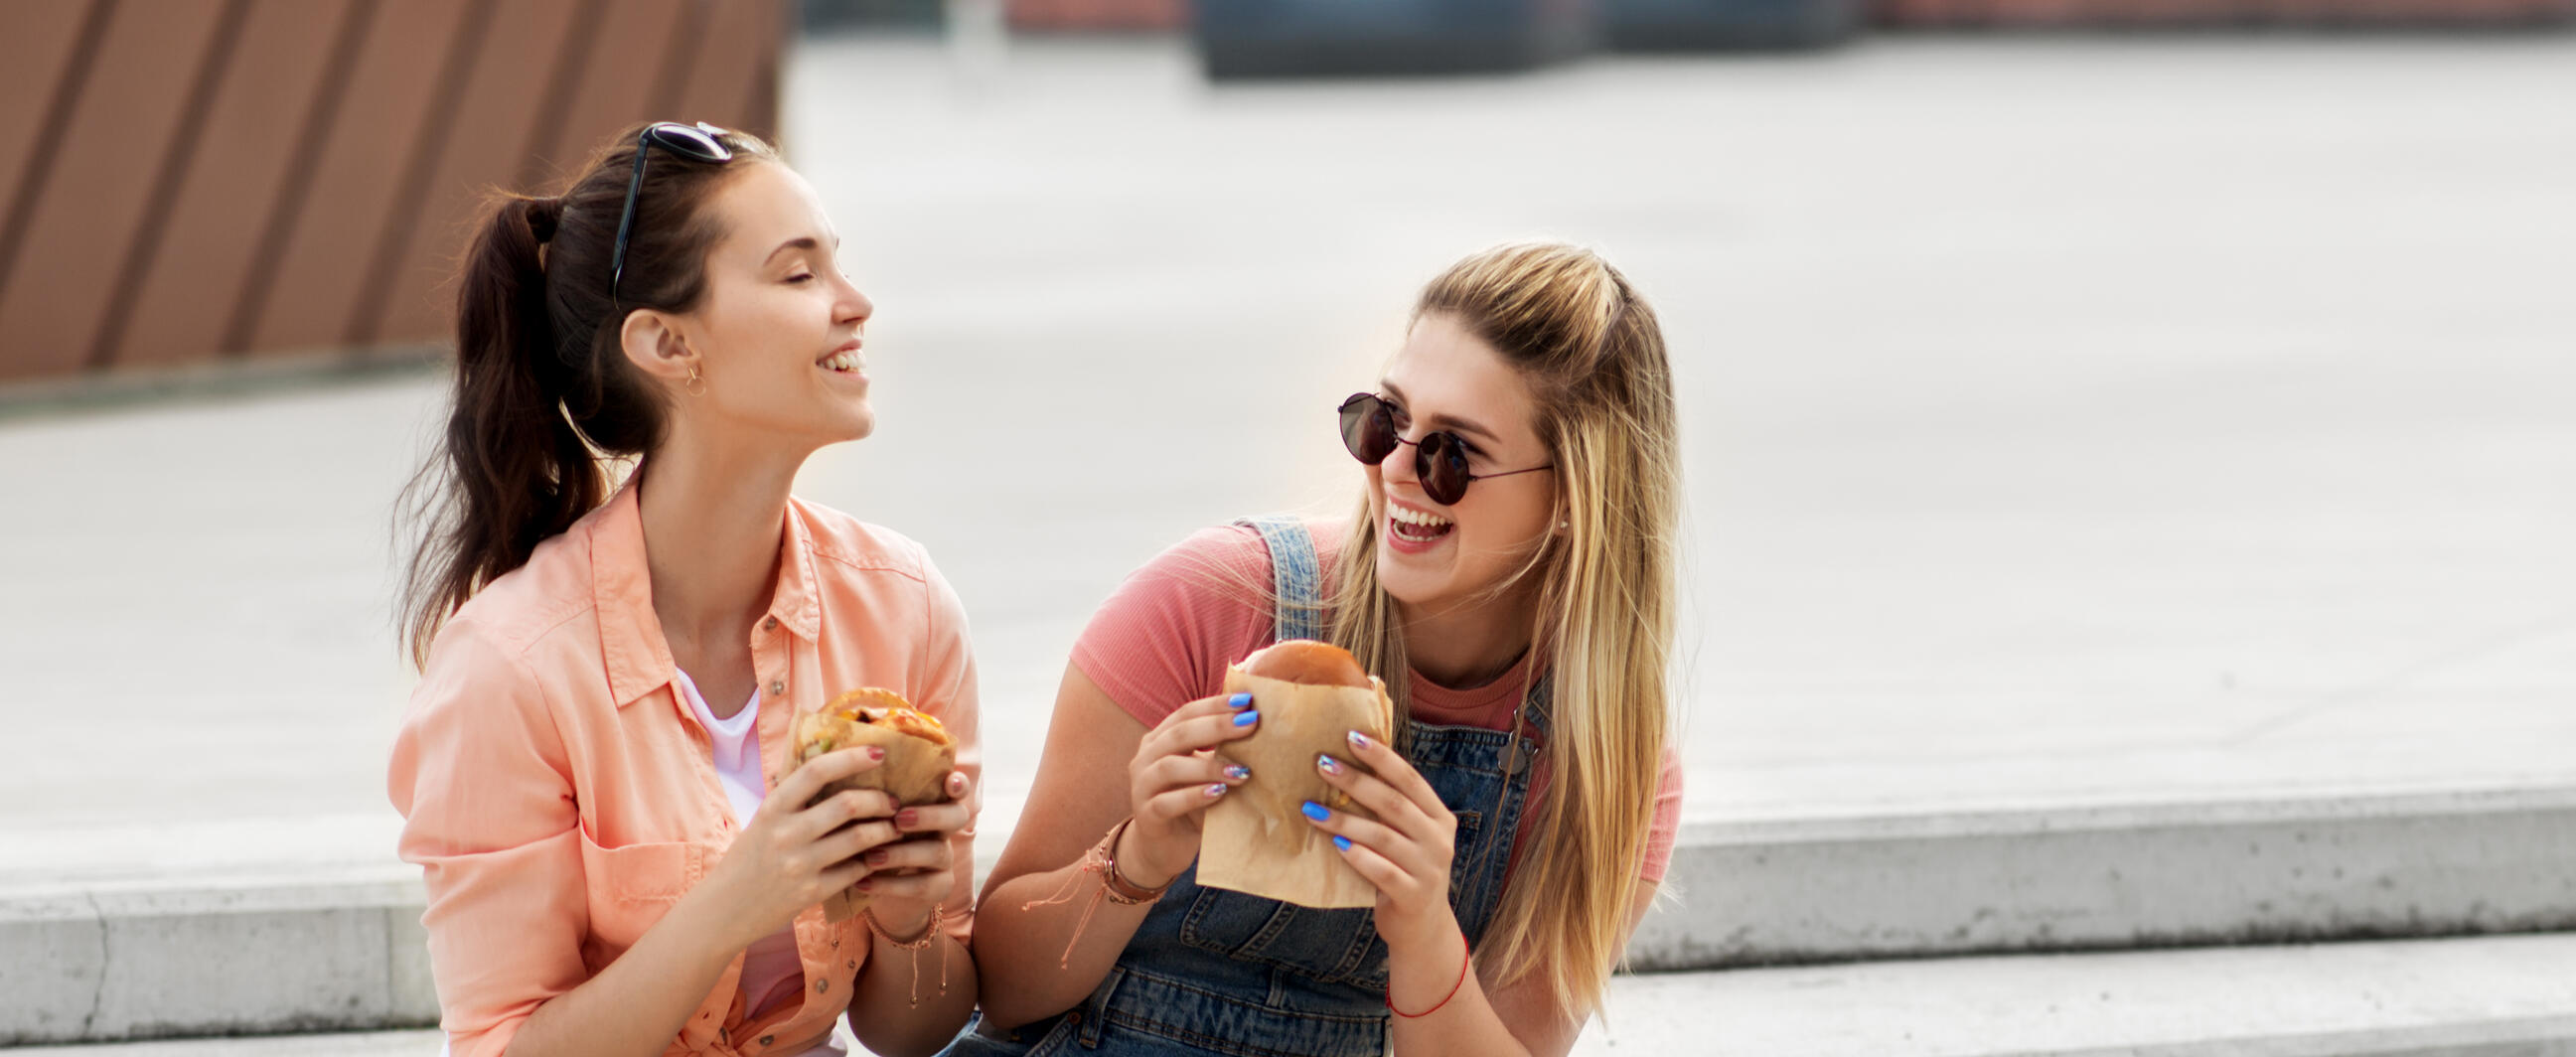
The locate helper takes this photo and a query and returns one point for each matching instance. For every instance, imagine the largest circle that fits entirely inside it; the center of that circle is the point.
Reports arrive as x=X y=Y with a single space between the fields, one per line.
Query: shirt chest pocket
x=630 y=887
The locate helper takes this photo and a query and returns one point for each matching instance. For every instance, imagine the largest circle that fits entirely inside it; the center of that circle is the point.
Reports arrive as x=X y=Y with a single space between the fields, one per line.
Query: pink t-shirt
x=1165 y=637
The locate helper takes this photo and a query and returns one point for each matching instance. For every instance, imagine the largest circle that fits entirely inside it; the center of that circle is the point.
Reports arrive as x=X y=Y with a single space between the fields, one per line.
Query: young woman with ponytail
x=1509 y=573
x=595 y=771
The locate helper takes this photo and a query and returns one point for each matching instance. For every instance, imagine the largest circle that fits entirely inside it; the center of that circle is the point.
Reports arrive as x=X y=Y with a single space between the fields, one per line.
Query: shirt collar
x=637 y=657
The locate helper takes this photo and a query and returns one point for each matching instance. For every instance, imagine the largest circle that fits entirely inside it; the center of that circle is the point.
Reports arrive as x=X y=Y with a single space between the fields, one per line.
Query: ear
x=654 y=342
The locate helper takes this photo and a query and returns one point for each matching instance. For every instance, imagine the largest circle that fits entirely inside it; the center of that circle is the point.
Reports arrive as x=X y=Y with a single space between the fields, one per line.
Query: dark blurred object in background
x=2222 y=14
x=1728 y=25
x=1111 y=15
x=832 y=16
x=1324 y=38
x=204 y=182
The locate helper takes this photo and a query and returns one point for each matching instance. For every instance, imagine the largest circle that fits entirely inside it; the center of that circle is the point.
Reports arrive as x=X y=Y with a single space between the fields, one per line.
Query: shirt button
x=770 y=624
x=768 y=1039
x=821 y=986
x=777 y=687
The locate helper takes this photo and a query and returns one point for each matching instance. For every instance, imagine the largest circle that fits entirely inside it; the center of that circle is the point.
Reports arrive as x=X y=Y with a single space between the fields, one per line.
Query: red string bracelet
x=1469 y=955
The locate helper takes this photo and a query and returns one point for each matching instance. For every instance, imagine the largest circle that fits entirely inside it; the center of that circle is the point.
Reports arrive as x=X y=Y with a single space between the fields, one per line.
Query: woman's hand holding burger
x=1171 y=781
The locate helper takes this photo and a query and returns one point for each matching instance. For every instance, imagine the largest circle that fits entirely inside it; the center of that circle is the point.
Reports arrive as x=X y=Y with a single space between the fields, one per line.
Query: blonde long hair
x=1593 y=356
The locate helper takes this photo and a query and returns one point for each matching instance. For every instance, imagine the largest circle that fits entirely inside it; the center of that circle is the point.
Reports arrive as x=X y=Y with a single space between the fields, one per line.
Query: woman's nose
x=853 y=307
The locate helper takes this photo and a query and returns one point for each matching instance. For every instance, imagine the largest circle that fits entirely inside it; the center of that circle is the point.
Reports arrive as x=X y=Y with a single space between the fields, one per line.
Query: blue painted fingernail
x=1216 y=790
x=1342 y=842
x=1246 y=719
x=1329 y=764
x=1359 y=740
x=1238 y=772
x=1316 y=811
x=1240 y=701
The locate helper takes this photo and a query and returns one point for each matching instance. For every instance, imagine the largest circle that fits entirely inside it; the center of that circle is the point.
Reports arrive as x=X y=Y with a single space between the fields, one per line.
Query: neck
x=713 y=524
x=1469 y=643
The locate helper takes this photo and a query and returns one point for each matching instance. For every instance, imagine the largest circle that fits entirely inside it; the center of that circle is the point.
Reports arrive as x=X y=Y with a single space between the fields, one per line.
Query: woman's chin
x=1408 y=584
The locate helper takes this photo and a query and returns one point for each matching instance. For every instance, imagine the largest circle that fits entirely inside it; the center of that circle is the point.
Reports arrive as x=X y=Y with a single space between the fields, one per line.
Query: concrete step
x=136 y=958
x=2511 y=996
x=2497 y=996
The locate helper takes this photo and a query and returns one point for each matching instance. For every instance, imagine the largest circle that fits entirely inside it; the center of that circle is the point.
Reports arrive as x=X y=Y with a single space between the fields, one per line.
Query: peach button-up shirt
x=559 y=795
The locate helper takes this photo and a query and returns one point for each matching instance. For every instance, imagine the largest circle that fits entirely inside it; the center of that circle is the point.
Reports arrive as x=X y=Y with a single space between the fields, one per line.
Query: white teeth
x=1416 y=517
x=843 y=361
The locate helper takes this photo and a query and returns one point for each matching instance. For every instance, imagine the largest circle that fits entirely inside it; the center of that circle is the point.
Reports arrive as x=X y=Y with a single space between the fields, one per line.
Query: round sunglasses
x=1439 y=458
x=702 y=142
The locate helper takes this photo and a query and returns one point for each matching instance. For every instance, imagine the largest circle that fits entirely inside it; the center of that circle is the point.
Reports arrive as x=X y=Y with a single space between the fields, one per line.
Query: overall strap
x=1296 y=577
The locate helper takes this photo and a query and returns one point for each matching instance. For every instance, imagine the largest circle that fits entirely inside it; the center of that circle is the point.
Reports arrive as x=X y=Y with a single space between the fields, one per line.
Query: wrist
x=902 y=925
x=723 y=930
x=1434 y=933
x=1133 y=858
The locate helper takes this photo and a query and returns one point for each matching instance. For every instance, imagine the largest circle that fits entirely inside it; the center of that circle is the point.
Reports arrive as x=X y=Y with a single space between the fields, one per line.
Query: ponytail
x=512 y=470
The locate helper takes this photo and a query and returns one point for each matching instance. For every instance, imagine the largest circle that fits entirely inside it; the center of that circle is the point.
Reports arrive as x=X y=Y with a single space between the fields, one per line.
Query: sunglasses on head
x=701 y=142
x=1439 y=458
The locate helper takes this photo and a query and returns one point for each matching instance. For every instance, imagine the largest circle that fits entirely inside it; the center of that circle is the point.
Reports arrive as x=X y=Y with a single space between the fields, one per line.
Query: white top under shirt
x=771 y=969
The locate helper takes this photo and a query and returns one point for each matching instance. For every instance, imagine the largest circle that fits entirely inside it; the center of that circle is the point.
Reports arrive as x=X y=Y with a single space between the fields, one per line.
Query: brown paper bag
x=915 y=771
x=1256 y=840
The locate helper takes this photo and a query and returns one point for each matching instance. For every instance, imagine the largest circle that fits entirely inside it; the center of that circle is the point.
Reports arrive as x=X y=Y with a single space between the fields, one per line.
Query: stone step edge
x=143 y=959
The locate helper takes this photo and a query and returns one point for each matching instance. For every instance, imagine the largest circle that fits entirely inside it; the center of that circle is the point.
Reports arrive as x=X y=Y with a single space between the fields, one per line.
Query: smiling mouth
x=1416 y=526
x=842 y=362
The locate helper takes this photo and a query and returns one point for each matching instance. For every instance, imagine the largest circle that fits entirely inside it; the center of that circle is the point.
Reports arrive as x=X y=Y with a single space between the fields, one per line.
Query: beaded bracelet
x=929 y=935
x=1102 y=859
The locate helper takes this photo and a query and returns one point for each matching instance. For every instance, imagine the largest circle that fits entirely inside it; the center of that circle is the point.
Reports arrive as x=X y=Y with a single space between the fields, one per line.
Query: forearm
x=1430 y=974
x=1022 y=932
x=1466 y=1027
x=913 y=1001
x=636 y=1006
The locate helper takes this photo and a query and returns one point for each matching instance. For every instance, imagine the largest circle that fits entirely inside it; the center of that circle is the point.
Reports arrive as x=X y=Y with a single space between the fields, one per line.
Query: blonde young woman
x=594 y=773
x=1509 y=573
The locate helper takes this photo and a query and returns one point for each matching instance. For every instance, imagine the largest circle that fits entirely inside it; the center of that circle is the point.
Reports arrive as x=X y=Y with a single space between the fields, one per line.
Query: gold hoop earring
x=697 y=382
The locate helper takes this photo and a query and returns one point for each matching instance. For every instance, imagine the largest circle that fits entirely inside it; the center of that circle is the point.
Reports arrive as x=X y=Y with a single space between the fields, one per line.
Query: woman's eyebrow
x=805 y=242
x=1448 y=421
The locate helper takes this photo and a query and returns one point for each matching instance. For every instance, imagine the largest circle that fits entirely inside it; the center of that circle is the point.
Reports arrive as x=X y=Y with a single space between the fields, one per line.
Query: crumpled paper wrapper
x=1256 y=840
x=915 y=771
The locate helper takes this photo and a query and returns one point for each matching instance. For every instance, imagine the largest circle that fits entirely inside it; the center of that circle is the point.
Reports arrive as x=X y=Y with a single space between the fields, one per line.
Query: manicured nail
x=877 y=858
x=1240 y=701
x=1216 y=790
x=1238 y=772
x=905 y=818
x=866 y=884
x=1359 y=740
x=1329 y=764
x=876 y=752
x=1316 y=811
x=1341 y=842
x=1246 y=719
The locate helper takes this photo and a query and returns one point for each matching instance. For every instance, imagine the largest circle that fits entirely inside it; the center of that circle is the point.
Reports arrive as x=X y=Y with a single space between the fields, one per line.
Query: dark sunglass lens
x=1368 y=429
x=1442 y=464
x=691 y=143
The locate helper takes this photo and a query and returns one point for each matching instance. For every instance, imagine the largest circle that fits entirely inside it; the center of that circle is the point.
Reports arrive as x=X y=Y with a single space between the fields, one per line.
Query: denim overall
x=1212 y=971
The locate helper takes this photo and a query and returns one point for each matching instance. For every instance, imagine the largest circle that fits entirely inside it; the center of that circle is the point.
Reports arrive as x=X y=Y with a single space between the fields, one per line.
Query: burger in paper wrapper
x=919 y=755
x=1311 y=696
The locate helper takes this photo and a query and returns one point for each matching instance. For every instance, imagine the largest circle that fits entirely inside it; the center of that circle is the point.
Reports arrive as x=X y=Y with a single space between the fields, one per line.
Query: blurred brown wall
x=199 y=180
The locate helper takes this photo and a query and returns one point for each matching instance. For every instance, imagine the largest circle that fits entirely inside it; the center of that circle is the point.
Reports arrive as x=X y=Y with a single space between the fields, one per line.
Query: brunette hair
x=544 y=394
